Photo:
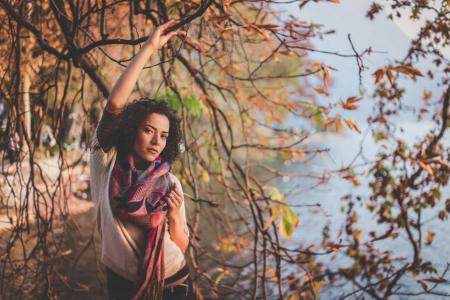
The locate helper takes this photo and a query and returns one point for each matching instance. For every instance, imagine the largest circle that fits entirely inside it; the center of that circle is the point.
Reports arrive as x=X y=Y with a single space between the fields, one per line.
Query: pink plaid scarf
x=139 y=198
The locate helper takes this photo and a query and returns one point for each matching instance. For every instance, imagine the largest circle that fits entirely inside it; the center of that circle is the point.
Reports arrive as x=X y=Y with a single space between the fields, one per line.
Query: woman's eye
x=164 y=137
x=147 y=130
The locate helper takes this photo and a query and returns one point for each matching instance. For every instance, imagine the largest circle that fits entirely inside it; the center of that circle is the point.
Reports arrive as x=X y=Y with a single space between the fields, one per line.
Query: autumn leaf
x=353 y=100
x=426 y=96
x=267 y=26
x=352 y=125
x=333 y=247
x=338 y=124
x=352 y=179
x=408 y=70
x=437 y=161
x=218 y=19
x=325 y=75
x=205 y=176
x=430 y=237
x=435 y=279
x=379 y=74
x=287 y=52
x=425 y=167
x=276 y=195
x=322 y=91
x=66 y=252
x=328 y=123
x=423 y=285
x=289 y=221
x=357 y=235
x=219 y=277
x=390 y=76
x=274 y=213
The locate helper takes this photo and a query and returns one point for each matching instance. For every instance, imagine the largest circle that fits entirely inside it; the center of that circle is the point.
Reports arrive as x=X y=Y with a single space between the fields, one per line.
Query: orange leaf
x=352 y=125
x=328 y=123
x=338 y=124
x=379 y=74
x=353 y=179
x=322 y=91
x=333 y=246
x=426 y=96
x=352 y=100
x=357 y=235
x=435 y=279
x=287 y=52
x=441 y=162
x=267 y=26
x=348 y=106
x=325 y=75
x=408 y=70
x=390 y=76
x=430 y=237
x=425 y=167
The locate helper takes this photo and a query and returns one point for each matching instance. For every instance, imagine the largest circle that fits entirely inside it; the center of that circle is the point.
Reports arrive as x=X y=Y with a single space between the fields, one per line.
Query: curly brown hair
x=132 y=117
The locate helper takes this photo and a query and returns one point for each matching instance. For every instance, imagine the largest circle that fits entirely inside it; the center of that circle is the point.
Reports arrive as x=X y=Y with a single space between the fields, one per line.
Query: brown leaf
x=379 y=74
x=322 y=91
x=408 y=70
x=328 y=123
x=66 y=252
x=338 y=124
x=425 y=167
x=441 y=162
x=352 y=179
x=426 y=96
x=435 y=279
x=352 y=125
x=333 y=246
x=352 y=100
x=325 y=75
x=267 y=26
x=423 y=284
x=390 y=76
x=430 y=237
x=287 y=52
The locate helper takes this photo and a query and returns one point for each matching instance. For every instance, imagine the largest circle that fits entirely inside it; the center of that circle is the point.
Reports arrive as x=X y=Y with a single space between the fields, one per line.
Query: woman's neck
x=141 y=164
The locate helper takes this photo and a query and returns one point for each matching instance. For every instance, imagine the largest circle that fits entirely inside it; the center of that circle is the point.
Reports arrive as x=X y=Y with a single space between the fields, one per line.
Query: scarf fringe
x=153 y=292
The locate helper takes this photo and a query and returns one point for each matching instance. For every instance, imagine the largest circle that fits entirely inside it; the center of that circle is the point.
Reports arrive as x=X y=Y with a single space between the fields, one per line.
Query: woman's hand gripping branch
x=124 y=86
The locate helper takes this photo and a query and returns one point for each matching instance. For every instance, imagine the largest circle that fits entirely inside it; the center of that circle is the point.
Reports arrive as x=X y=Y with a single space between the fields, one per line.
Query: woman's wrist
x=173 y=219
x=150 y=46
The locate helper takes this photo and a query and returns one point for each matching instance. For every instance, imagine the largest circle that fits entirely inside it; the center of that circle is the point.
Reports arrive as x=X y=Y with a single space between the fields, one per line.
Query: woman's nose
x=155 y=139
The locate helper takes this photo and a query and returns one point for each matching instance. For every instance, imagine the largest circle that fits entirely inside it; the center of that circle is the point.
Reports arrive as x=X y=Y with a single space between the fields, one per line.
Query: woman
x=140 y=205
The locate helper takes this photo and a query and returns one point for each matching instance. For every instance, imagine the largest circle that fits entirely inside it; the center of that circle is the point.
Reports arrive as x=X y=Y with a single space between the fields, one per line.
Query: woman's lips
x=152 y=151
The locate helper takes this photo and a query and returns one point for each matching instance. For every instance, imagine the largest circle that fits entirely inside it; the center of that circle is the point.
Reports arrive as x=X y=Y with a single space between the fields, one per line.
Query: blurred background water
x=390 y=40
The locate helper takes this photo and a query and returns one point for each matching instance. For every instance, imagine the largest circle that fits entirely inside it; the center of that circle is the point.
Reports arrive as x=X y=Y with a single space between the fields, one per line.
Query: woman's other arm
x=124 y=85
x=177 y=218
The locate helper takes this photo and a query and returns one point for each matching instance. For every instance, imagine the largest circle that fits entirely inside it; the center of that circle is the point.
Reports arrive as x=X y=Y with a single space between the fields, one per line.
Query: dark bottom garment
x=120 y=288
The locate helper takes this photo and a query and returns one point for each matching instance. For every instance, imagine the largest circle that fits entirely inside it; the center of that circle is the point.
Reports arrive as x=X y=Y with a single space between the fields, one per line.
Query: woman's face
x=151 y=137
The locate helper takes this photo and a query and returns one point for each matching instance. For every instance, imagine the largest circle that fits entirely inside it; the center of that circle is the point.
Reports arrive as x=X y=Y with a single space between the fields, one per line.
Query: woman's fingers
x=172 y=33
x=173 y=200
x=167 y=25
x=177 y=190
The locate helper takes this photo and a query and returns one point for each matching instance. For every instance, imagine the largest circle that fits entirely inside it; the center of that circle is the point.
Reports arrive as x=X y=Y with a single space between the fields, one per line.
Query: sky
x=389 y=40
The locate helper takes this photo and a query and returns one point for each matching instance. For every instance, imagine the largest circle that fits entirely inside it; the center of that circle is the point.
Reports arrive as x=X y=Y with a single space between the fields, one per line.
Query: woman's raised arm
x=124 y=85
